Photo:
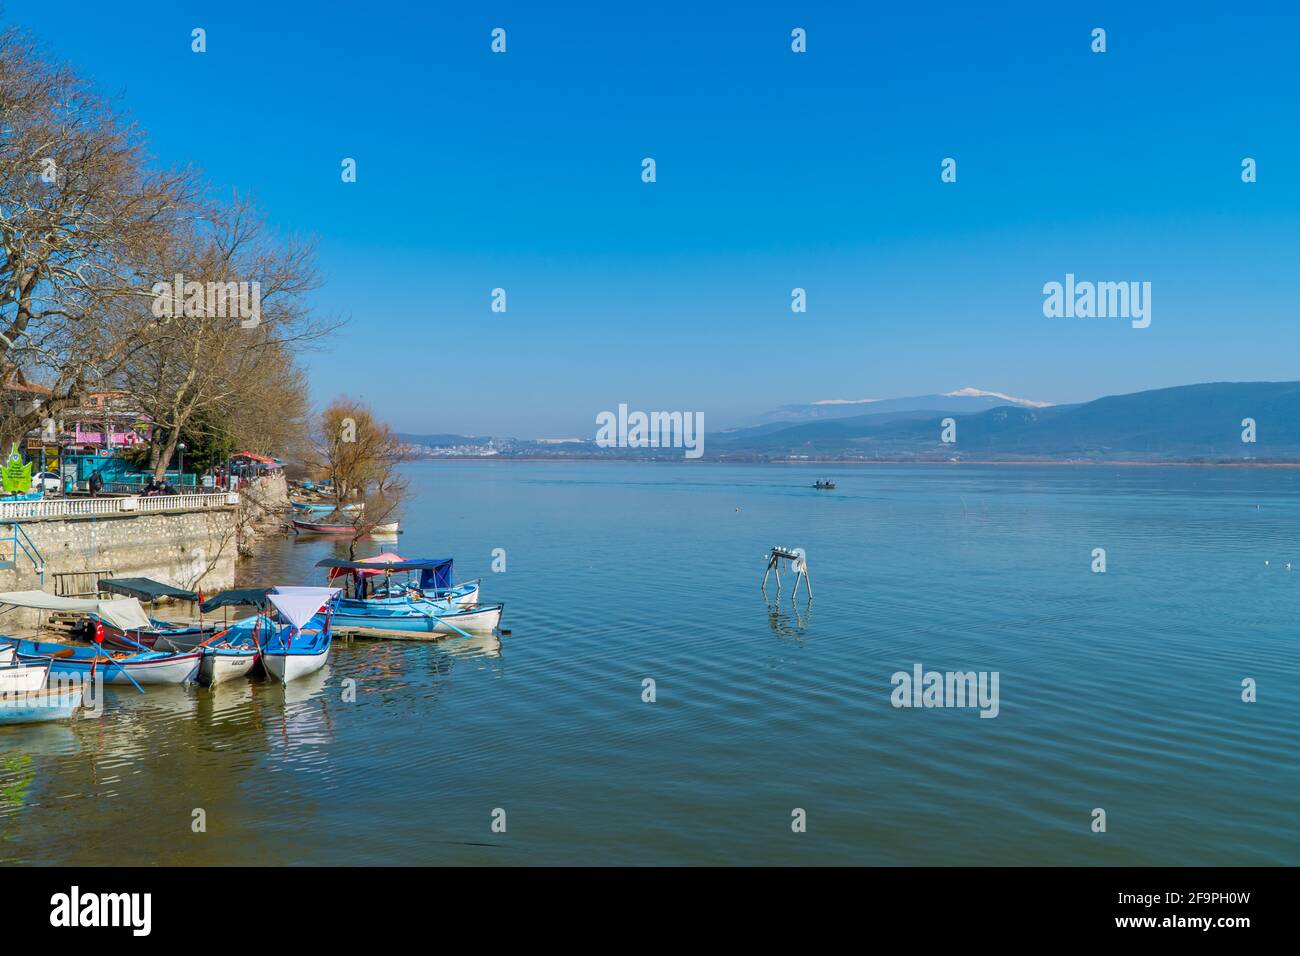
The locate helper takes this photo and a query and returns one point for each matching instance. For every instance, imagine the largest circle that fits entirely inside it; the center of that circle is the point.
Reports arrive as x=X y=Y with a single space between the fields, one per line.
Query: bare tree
x=81 y=213
x=205 y=363
x=360 y=456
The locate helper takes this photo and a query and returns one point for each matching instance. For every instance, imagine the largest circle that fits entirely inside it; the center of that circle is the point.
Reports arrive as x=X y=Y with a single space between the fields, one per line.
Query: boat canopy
x=434 y=572
x=299 y=605
x=236 y=597
x=145 y=589
x=125 y=614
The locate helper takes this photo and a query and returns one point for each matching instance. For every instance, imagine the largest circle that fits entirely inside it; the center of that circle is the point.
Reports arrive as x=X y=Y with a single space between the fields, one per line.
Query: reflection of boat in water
x=474 y=646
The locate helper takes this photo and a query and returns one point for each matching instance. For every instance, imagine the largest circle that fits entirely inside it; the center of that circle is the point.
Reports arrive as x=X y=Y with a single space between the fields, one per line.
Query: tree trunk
x=169 y=449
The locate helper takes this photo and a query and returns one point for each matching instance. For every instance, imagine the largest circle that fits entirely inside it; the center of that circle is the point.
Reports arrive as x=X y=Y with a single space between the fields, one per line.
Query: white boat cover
x=125 y=614
x=299 y=605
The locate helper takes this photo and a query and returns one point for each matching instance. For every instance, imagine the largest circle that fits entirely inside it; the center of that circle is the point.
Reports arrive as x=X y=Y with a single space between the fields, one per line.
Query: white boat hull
x=287 y=667
x=37 y=706
x=217 y=668
x=23 y=678
x=468 y=619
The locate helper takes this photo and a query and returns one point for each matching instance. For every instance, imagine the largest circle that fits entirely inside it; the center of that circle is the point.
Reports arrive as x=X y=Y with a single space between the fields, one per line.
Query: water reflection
x=789 y=620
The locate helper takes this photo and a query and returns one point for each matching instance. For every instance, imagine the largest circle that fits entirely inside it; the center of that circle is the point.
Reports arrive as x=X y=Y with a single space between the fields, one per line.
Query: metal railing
x=27 y=546
x=90 y=507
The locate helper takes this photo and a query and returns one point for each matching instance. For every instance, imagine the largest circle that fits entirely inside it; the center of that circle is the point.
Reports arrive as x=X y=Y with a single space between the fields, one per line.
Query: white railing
x=86 y=507
x=185 y=502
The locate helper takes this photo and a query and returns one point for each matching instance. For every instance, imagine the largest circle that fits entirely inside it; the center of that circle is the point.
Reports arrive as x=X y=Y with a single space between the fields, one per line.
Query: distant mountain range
x=1185 y=423
x=962 y=400
x=1189 y=422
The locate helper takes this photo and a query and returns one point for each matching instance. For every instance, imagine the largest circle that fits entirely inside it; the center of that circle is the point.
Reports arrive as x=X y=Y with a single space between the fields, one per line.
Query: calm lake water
x=1119 y=691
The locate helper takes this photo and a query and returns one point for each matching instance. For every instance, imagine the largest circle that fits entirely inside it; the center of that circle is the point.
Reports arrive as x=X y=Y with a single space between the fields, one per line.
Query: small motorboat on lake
x=824 y=485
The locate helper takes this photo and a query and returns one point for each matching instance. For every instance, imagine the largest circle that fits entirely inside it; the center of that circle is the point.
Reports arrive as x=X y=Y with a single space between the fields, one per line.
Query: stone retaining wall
x=190 y=549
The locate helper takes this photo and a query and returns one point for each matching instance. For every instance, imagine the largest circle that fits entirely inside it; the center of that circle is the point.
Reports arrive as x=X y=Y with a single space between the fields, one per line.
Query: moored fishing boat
x=301 y=646
x=342 y=527
x=147 y=637
x=409 y=608
x=51 y=703
x=131 y=634
x=228 y=654
x=435 y=582
x=223 y=663
x=321 y=527
x=425 y=618
x=120 y=616
x=324 y=507
x=23 y=678
x=117 y=667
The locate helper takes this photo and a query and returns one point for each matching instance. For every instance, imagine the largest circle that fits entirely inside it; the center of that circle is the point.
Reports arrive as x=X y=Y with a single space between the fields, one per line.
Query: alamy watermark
x=1101 y=300
x=218 y=300
x=59 y=692
x=950 y=689
x=652 y=430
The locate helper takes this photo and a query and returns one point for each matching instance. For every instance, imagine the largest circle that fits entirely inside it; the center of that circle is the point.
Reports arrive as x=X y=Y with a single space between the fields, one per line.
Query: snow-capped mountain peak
x=981 y=393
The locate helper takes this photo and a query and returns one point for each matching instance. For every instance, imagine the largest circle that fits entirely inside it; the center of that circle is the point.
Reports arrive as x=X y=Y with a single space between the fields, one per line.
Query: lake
x=1120 y=691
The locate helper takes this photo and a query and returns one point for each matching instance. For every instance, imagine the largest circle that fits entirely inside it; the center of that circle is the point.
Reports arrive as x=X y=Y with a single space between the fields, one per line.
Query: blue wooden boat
x=416 y=616
x=432 y=607
x=302 y=645
x=147 y=637
x=54 y=703
x=323 y=507
x=117 y=667
x=227 y=654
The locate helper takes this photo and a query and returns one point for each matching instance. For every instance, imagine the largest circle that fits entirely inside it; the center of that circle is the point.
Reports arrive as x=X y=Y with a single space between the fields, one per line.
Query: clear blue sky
x=775 y=170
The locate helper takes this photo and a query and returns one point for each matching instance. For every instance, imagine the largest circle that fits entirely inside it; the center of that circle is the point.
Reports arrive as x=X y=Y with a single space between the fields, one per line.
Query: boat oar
x=443 y=620
x=211 y=639
x=100 y=650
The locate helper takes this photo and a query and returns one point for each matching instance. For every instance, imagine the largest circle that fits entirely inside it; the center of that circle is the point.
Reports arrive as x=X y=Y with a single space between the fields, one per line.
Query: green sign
x=17 y=476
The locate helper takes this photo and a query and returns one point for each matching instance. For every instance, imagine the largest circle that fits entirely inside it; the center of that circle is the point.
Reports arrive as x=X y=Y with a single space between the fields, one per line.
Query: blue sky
x=775 y=170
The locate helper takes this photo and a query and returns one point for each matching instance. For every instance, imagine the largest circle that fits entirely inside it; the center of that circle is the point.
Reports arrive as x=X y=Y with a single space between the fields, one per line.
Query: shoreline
x=830 y=462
